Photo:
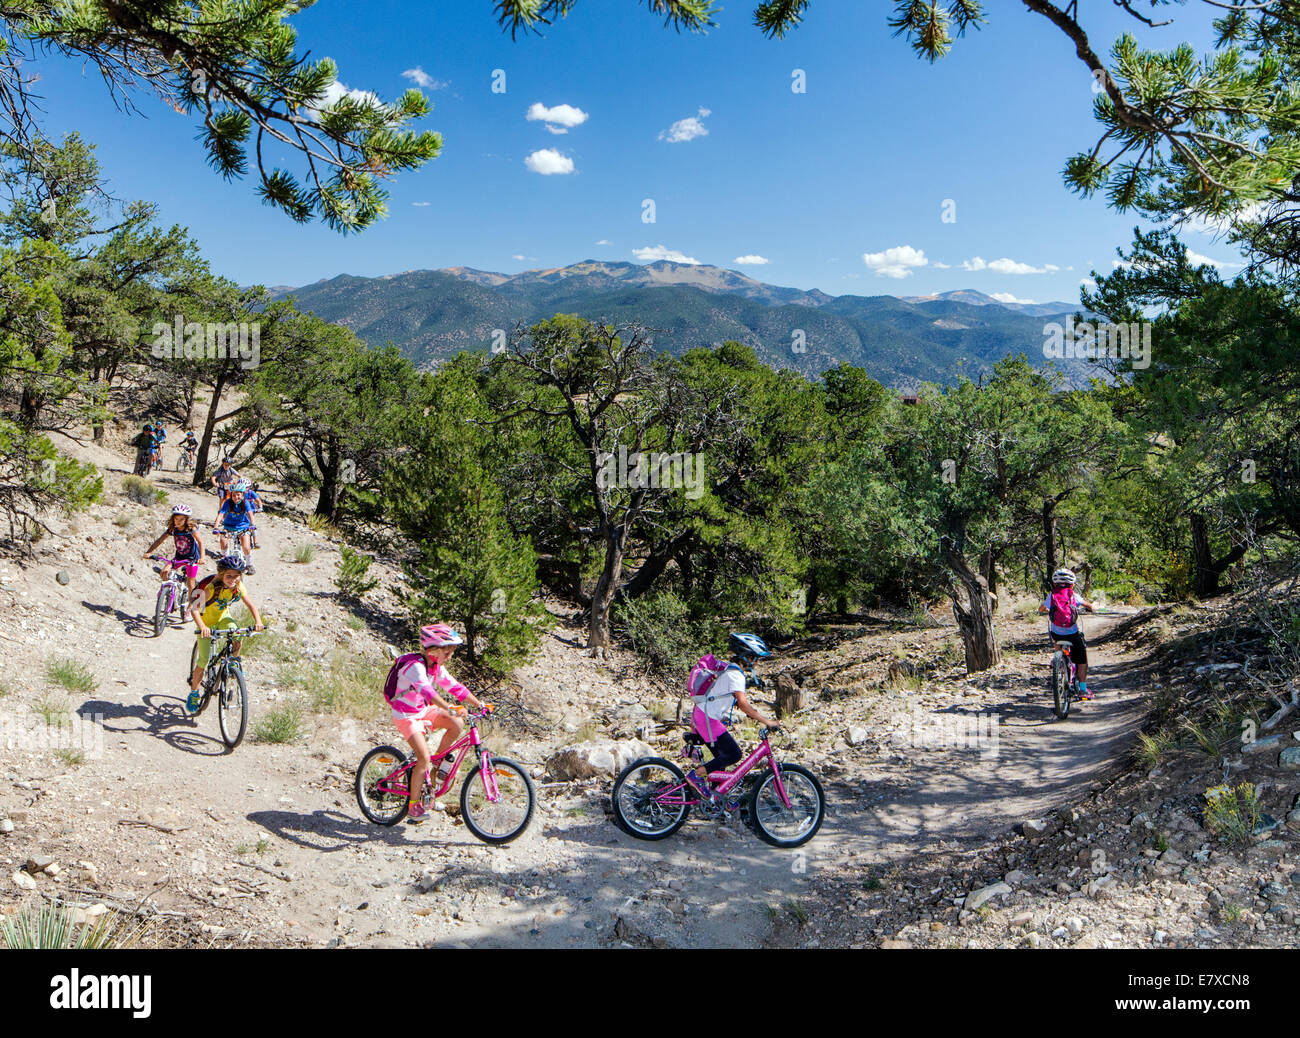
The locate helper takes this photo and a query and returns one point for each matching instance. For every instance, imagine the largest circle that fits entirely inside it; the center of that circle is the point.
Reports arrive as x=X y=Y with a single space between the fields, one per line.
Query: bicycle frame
x=725 y=781
x=390 y=783
x=224 y=658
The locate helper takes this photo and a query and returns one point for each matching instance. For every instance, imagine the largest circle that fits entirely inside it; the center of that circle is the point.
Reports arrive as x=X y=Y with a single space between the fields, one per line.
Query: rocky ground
x=960 y=811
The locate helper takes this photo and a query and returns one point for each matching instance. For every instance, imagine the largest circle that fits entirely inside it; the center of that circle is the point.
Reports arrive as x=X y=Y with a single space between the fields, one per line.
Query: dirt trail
x=572 y=880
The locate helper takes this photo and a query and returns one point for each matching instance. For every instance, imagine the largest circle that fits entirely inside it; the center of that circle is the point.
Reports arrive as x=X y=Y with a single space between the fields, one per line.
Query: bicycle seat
x=1067 y=646
x=691 y=739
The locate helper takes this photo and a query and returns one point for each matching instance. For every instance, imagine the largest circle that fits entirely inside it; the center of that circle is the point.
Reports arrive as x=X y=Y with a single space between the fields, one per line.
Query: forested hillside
x=431 y=315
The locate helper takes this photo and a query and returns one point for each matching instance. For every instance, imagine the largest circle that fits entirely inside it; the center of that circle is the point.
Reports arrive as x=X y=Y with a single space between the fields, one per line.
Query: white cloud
x=1007 y=297
x=941 y=266
x=1195 y=257
x=603 y=241
x=1216 y=225
x=658 y=252
x=548 y=161
x=337 y=90
x=750 y=261
x=516 y=257
x=1087 y=282
x=420 y=204
x=560 y=119
x=1008 y=266
x=423 y=80
x=686 y=129
x=897 y=262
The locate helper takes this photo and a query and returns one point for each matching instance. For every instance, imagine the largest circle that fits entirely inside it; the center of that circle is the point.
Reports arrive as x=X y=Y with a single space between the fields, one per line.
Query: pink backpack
x=390 y=683
x=1062 y=610
x=707 y=670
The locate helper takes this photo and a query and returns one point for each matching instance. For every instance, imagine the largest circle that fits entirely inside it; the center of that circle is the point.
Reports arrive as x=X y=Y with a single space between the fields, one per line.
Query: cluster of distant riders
x=783 y=803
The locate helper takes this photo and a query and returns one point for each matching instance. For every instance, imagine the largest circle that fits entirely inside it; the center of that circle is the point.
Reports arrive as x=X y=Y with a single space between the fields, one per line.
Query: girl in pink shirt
x=418 y=705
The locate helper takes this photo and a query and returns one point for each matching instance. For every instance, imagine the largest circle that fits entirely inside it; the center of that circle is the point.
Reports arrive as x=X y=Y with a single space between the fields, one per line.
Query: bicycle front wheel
x=232 y=712
x=160 y=610
x=791 y=826
x=382 y=797
x=1060 y=686
x=649 y=799
x=497 y=801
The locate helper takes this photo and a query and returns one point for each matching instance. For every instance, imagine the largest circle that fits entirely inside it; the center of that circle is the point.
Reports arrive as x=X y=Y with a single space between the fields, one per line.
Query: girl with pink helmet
x=421 y=681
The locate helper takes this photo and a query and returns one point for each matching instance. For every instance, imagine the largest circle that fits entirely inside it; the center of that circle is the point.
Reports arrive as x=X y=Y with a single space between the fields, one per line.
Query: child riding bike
x=223 y=479
x=190 y=444
x=159 y=436
x=236 y=518
x=417 y=705
x=216 y=595
x=714 y=692
x=254 y=502
x=187 y=547
x=143 y=444
x=1063 y=606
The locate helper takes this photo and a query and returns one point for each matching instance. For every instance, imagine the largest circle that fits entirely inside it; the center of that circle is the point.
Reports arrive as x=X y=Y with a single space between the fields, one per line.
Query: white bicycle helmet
x=1063 y=576
x=182 y=510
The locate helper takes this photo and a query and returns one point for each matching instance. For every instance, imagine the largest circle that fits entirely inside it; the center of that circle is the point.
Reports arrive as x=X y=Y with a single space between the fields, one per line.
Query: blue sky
x=841 y=187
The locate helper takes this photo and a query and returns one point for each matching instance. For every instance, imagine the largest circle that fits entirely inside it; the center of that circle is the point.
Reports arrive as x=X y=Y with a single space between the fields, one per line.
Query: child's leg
x=726 y=751
x=451 y=731
x=421 y=766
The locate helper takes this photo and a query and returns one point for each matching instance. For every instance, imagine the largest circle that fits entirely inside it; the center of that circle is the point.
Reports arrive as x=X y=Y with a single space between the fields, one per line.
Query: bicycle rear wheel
x=1060 y=686
x=500 y=821
x=232 y=706
x=382 y=806
x=791 y=826
x=649 y=799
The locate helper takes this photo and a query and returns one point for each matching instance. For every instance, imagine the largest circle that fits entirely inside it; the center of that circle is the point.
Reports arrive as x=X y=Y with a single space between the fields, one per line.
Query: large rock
x=1290 y=758
x=595 y=757
x=977 y=897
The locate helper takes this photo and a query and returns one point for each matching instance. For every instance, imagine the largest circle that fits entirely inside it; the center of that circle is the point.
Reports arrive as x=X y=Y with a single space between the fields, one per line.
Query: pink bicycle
x=784 y=806
x=496 y=808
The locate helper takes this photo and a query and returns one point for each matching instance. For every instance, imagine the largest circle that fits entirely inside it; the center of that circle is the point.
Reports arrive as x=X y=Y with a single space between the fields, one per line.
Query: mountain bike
x=156 y=458
x=171 y=595
x=784 y=806
x=143 y=459
x=496 y=809
x=185 y=463
x=223 y=679
x=1065 y=683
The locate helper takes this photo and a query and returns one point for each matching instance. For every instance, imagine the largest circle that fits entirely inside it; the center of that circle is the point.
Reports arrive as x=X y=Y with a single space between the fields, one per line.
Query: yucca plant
x=44 y=925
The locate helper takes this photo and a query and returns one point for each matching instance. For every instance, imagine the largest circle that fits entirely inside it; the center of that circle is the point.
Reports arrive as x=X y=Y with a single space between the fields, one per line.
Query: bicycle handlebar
x=234 y=632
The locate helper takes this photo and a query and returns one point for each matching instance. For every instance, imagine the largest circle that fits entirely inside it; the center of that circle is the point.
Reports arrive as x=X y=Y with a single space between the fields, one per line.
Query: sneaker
x=251 y=570
x=193 y=701
x=1085 y=692
x=417 y=814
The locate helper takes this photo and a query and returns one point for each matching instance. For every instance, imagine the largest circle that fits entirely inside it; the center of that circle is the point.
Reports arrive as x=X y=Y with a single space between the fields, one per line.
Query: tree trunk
x=327 y=501
x=789 y=696
x=1049 y=535
x=1206 y=579
x=975 y=619
x=603 y=596
x=209 y=426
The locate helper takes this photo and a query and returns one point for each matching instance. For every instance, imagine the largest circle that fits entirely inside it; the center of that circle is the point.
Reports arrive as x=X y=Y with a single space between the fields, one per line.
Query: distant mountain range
x=433 y=314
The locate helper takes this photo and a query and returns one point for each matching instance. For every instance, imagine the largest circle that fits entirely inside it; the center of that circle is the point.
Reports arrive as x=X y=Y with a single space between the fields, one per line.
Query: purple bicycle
x=784 y=806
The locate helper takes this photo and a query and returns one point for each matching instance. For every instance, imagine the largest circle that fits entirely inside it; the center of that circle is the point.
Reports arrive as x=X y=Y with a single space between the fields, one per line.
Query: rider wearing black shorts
x=1059 y=631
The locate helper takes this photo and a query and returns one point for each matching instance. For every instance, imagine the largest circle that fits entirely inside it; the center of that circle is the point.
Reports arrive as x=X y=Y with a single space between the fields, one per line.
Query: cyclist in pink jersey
x=418 y=705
